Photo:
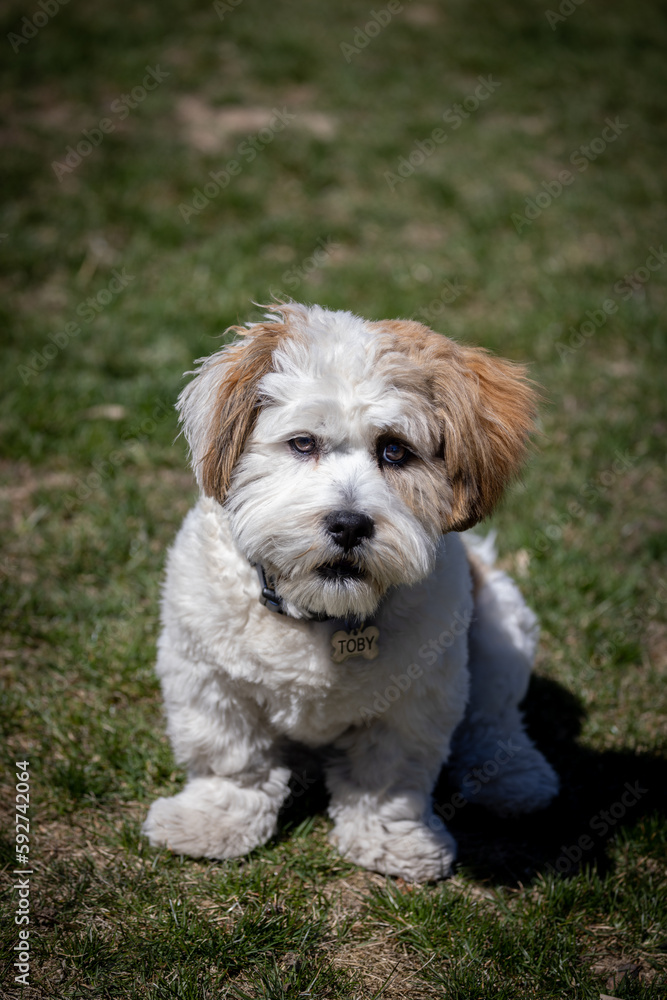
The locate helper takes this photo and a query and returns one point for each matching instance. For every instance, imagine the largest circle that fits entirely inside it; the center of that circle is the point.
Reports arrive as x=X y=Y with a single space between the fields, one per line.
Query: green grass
x=93 y=485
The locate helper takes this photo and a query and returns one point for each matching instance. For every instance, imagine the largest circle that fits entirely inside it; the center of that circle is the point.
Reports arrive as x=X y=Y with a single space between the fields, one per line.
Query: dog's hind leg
x=493 y=760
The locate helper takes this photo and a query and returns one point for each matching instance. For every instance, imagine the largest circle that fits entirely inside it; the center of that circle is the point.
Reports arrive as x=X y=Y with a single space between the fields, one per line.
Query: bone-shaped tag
x=357 y=642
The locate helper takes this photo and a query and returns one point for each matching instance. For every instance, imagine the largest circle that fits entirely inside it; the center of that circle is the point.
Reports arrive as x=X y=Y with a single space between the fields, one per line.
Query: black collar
x=274 y=602
x=268 y=596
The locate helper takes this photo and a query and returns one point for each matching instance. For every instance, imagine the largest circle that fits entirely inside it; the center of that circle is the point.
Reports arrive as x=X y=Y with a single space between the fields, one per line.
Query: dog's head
x=343 y=449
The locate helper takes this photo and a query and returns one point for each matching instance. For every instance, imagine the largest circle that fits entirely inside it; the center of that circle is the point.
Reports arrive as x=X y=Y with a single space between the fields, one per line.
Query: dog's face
x=343 y=450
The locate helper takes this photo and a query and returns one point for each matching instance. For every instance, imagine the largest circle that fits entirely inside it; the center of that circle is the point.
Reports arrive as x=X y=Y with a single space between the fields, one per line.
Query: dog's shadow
x=602 y=793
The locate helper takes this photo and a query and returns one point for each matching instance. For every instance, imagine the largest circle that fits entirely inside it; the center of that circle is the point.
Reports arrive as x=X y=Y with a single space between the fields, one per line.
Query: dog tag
x=356 y=642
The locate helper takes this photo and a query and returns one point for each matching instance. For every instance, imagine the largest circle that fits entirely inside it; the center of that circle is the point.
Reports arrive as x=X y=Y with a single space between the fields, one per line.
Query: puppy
x=320 y=593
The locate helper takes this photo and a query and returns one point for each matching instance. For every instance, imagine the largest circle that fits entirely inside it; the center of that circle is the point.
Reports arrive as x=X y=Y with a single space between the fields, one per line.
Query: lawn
x=495 y=170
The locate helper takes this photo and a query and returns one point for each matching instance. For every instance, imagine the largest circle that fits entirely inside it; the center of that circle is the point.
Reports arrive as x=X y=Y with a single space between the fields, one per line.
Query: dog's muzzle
x=341 y=570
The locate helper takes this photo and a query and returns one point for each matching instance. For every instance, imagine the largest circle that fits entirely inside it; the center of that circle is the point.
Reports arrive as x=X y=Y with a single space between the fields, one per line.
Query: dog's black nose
x=349 y=527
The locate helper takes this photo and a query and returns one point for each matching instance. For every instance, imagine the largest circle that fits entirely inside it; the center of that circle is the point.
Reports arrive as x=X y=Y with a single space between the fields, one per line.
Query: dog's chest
x=310 y=697
x=306 y=693
x=312 y=680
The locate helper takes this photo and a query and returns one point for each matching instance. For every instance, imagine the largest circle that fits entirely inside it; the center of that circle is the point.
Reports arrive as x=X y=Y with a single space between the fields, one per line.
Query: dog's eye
x=395 y=453
x=304 y=444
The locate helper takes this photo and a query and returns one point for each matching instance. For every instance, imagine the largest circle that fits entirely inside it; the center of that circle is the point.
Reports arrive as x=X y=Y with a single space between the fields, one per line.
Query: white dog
x=338 y=459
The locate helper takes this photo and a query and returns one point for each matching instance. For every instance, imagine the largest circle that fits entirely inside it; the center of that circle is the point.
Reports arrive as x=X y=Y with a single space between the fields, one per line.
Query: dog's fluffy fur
x=307 y=416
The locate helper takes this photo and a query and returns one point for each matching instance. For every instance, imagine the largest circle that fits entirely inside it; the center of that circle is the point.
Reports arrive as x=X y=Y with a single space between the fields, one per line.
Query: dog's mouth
x=341 y=570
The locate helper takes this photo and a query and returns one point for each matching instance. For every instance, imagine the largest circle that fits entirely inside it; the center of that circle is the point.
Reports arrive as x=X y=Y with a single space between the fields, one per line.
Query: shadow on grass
x=602 y=793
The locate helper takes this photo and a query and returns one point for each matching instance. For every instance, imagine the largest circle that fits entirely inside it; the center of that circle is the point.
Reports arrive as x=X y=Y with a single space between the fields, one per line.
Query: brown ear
x=219 y=407
x=487 y=411
x=482 y=409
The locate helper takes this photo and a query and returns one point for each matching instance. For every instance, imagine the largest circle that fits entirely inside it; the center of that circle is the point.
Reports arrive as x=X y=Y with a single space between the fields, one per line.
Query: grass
x=109 y=296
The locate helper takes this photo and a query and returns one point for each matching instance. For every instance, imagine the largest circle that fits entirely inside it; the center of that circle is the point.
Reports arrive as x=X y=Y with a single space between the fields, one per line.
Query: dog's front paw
x=406 y=848
x=183 y=829
x=212 y=819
